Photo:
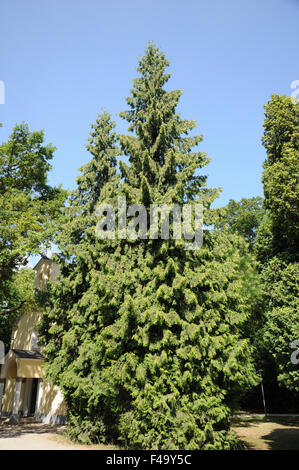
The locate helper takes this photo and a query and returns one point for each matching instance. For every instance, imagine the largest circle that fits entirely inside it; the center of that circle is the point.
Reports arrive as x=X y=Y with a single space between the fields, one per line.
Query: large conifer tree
x=144 y=337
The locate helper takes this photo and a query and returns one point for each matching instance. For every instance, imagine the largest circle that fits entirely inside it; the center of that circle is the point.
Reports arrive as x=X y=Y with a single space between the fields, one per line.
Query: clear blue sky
x=64 y=61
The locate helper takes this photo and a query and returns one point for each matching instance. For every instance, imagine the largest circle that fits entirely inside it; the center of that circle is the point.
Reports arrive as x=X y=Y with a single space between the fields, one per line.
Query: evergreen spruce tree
x=145 y=338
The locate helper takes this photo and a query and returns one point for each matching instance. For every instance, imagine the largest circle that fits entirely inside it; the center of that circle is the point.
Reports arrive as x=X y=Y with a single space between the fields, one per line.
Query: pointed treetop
x=160 y=149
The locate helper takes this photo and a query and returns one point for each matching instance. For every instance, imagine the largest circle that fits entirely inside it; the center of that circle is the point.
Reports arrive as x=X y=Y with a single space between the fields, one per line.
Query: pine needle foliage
x=143 y=337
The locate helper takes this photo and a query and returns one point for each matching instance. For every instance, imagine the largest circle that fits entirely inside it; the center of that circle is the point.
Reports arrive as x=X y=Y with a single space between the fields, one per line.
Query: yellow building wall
x=8 y=398
x=45 y=270
x=52 y=400
x=22 y=333
x=30 y=369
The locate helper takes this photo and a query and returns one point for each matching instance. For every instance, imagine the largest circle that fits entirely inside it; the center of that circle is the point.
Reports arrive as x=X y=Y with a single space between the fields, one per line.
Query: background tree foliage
x=277 y=240
x=271 y=227
x=243 y=217
x=147 y=340
x=28 y=209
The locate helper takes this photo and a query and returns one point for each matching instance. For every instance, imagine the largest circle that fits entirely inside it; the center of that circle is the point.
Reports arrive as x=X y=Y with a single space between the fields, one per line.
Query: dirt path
x=268 y=433
x=38 y=436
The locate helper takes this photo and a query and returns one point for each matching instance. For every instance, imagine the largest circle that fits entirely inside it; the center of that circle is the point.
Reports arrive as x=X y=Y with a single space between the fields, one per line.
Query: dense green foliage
x=277 y=240
x=280 y=179
x=243 y=217
x=28 y=208
x=147 y=340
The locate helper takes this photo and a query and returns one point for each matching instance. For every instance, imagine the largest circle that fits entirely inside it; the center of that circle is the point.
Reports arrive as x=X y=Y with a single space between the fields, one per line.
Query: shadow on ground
x=283 y=439
x=8 y=431
x=267 y=433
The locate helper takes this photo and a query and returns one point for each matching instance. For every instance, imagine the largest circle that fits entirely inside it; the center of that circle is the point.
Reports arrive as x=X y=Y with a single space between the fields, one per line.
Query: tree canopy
x=243 y=217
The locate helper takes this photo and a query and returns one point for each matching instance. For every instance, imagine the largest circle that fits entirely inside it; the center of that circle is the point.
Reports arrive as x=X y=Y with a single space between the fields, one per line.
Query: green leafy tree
x=243 y=217
x=28 y=208
x=277 y=239
x=145 y=338
x=19 y=289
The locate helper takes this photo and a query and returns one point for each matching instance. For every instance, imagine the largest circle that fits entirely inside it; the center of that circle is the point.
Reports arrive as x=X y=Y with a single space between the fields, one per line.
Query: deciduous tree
x=28 y=210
